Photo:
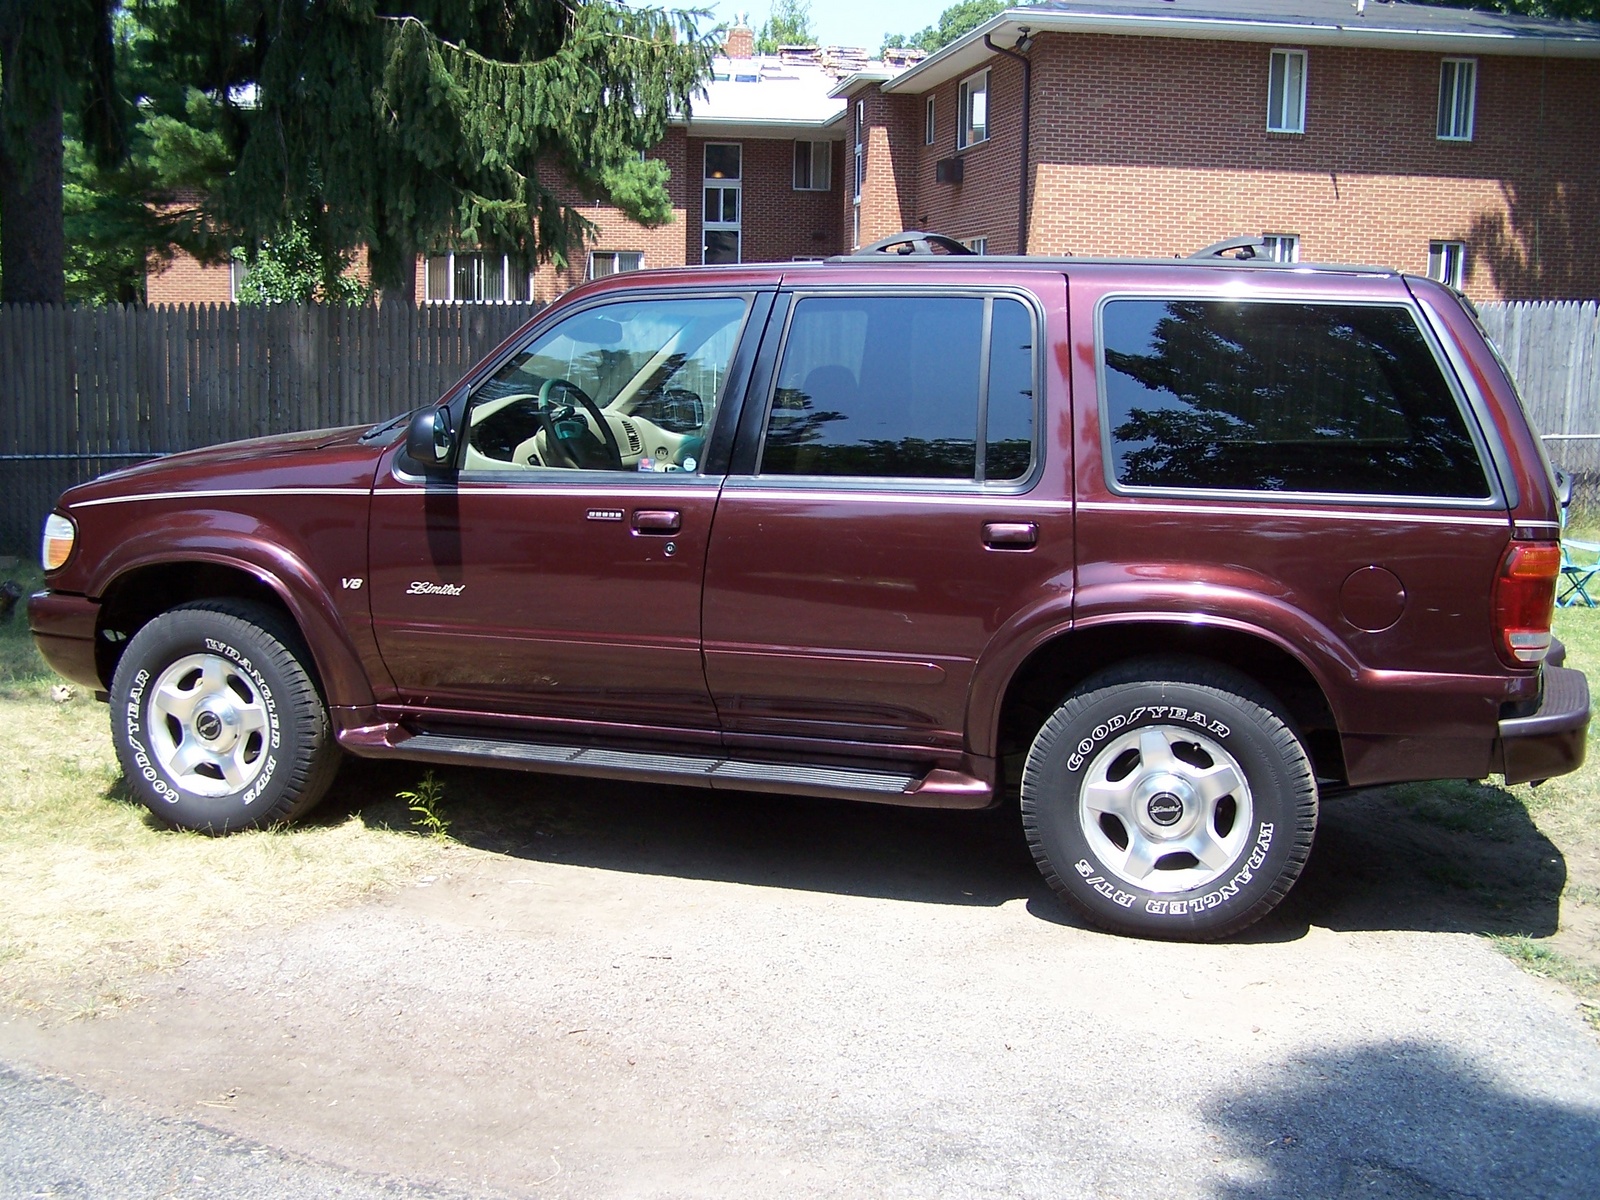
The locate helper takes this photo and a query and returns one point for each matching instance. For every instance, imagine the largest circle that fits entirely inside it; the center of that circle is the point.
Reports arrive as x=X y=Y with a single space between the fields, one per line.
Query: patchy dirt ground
x=609 y=991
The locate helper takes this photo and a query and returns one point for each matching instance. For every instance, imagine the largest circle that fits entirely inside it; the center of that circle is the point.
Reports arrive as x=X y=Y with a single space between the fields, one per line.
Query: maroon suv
x=1172 y=547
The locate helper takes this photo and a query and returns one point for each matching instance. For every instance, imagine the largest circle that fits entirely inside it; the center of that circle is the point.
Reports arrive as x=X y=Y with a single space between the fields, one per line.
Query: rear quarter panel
x=1418 y=698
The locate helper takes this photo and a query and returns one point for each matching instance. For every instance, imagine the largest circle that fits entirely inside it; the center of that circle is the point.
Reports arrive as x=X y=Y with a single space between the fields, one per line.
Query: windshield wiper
x=383 y=427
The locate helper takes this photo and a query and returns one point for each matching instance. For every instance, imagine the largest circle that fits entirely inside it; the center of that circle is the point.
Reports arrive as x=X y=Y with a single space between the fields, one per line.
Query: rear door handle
x=1010 y=535
x=657 y=520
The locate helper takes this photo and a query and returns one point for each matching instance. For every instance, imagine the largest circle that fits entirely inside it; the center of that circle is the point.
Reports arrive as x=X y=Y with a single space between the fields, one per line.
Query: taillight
x=1524 y=597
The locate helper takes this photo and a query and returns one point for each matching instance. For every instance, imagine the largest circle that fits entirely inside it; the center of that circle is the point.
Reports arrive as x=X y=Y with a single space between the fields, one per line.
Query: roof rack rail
x=1249 y=247
x=914 y=241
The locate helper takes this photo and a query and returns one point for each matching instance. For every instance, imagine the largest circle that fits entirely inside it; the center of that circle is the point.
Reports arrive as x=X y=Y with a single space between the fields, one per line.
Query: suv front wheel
x=217 y=722
x=1168 y=798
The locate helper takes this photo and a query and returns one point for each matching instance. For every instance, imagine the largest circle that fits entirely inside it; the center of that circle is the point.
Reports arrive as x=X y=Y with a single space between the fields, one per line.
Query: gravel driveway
x=654 y=993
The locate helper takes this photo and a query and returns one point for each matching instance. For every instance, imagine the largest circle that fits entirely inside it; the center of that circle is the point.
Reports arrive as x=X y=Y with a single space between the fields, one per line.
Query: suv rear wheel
x=1168 y=798
x=217 y=722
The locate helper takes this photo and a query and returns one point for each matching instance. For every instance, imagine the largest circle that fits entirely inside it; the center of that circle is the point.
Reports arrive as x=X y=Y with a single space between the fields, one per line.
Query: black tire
x=254 y=748
x=1150 y=762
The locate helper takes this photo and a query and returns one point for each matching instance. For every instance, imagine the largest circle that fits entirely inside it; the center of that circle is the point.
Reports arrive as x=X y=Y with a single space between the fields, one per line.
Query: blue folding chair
x=1580 y=563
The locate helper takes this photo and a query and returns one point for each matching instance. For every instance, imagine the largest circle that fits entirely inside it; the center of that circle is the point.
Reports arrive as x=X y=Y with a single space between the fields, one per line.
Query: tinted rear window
x=1281 y=397
x=899 y=386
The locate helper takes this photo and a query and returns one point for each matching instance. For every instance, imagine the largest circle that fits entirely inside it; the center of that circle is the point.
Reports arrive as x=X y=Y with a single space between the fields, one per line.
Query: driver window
x=632 y=386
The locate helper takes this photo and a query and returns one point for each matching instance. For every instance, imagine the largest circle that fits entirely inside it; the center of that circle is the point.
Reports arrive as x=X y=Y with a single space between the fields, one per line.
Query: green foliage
x=407 y=127
x=123 y=218
x=423 y=801
x=60 y=54
x=639 y=186
x=1569 y=10
x=58 y=62
x=954 y=21
x=288 y=270
x=789 y=25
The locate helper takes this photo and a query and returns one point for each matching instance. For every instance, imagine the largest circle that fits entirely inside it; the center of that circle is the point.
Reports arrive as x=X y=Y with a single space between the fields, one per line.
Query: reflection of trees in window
x=1008 y=442
x=794 y=447
x=893 y=387
x=1282 y=397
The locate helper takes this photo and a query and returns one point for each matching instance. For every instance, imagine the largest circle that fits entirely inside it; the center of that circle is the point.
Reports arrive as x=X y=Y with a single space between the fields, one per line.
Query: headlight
x=59 y=535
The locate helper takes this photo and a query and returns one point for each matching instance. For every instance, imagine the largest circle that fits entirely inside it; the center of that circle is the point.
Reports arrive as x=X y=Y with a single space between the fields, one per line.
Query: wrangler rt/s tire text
x=217 y=722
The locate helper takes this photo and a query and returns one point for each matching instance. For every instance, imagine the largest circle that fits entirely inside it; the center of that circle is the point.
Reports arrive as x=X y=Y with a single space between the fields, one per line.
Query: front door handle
x=1010 y=535
x=662 y=521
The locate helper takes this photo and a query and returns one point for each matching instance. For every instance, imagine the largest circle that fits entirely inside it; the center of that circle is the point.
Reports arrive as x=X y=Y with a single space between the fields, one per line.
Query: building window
x=1447 y=262
x=813 y=166
x=1286 y=92
x=978 y=245
x=1458 y=94
x=861 y=149
x=614 y=262
x=724 y=169
x=974 y=104
x=929 y=129
x=860 y=173
x=476 y=279
x=1282 y=247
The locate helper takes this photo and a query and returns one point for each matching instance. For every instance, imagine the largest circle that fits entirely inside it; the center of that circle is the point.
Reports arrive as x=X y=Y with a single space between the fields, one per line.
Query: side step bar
x=937 y=789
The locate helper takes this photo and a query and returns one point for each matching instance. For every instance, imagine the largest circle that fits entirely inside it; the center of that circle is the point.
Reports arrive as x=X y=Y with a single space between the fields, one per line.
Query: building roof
x=795 y=92
x=1372 y=24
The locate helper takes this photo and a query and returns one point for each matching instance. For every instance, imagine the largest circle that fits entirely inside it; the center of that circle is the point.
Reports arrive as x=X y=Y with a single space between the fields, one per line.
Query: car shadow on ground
x=1401 y=1120
x=1427 y=857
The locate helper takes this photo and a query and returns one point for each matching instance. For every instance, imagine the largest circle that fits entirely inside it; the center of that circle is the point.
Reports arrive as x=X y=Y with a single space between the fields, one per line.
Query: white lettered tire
x=1168 y=798
x=217 y=721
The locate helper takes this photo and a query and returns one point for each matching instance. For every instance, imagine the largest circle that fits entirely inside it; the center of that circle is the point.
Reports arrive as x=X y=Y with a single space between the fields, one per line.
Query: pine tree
x=408 y=127
x=55 y=55
x=124 y=219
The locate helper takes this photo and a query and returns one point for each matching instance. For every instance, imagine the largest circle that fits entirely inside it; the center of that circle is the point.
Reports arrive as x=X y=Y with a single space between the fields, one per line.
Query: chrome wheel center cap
x=1165 y=805
x=218 y=727
x=1164 y=808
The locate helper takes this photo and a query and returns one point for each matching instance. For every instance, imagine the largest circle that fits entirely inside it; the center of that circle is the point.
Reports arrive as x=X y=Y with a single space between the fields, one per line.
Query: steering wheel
x=569 y=437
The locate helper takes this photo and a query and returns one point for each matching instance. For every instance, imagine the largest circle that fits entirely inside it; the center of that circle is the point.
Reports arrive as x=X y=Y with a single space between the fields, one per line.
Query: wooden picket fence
x=87 y=390
x=1553 y=352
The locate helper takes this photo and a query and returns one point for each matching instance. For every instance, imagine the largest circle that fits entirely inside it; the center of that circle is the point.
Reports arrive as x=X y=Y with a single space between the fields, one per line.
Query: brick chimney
x=741 y=42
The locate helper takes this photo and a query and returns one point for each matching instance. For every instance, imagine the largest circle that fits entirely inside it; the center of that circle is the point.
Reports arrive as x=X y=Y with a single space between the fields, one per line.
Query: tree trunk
x=33 y=247
x=406 y=291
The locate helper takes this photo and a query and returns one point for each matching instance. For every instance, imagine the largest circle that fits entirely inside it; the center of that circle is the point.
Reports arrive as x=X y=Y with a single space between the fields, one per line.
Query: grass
x=1538 y=959
x=97 y=893
x=1567 y=811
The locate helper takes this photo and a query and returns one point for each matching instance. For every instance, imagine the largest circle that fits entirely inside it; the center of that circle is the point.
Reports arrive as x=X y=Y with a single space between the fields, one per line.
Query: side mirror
x=429 y=440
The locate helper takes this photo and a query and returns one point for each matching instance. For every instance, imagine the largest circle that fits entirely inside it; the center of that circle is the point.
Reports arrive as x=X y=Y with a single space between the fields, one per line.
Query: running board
x=939 y=788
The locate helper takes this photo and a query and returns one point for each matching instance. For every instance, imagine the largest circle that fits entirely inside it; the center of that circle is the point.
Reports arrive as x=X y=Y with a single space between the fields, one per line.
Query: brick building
x=1462 y=144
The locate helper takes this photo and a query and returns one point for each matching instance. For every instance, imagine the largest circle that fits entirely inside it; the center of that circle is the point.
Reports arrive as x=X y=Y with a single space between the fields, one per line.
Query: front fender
x=260 y=548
